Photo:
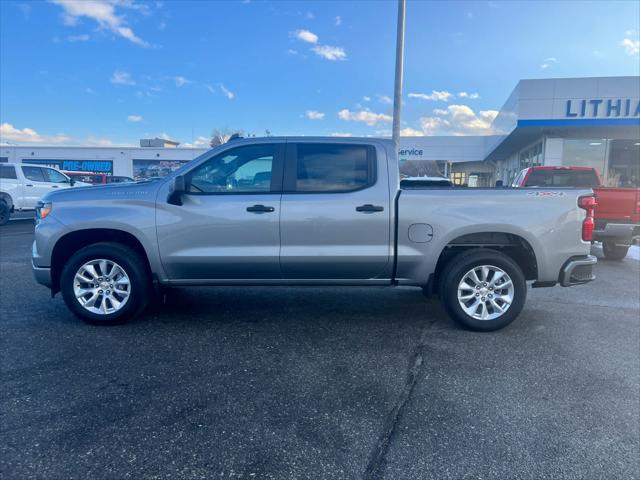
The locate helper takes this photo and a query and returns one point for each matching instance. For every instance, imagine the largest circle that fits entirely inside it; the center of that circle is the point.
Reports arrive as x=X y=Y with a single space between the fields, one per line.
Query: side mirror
x=178 y=187
x=72 y=182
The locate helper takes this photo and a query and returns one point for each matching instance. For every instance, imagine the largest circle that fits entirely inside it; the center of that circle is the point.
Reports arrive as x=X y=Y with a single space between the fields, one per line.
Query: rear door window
x=8 y=171
x=330 y=168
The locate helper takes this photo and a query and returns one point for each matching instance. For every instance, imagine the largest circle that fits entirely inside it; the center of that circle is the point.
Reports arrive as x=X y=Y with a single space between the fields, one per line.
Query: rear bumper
x=42 y=275
x=621 y=233
x=578 y=270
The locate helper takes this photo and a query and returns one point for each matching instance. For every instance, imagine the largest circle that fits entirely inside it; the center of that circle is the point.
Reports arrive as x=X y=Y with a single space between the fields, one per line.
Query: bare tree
x=222 y=135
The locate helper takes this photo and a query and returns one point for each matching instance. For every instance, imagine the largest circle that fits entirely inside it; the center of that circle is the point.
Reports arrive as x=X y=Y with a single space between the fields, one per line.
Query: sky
x=109 y=72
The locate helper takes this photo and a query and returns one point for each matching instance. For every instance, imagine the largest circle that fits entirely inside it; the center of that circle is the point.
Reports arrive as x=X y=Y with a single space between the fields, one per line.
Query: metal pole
x=397 y=89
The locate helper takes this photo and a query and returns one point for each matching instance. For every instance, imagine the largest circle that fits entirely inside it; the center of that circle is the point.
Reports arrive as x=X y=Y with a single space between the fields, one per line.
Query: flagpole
x=397 y=89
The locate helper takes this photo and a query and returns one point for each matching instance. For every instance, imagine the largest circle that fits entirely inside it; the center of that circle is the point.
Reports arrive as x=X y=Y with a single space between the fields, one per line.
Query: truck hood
x=108 y=193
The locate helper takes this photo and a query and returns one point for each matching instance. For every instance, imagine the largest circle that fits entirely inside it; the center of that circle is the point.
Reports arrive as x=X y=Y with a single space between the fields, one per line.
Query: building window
x=458 y=178
x=585 y=153
x=145 y=169
x=623 y=169
x=531 y=157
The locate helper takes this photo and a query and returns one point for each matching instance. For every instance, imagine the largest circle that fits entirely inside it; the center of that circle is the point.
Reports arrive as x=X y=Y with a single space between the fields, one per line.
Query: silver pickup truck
x=309 y=211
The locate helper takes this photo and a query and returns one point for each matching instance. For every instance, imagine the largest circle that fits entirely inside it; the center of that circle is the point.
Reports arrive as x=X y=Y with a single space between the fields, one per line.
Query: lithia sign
x=599 y=107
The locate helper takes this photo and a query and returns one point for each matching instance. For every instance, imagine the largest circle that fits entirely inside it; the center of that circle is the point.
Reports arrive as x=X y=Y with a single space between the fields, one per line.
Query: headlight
x=43 y=209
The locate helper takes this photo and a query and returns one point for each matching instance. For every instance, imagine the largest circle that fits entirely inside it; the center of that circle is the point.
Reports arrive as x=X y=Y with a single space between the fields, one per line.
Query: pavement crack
x=377 y=459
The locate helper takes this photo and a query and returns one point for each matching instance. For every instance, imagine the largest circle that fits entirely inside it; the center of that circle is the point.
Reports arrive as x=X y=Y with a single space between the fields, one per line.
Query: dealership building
x=571 y=121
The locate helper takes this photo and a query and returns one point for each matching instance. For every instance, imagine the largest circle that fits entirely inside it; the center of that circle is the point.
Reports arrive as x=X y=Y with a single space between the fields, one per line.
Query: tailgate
x=617 y=203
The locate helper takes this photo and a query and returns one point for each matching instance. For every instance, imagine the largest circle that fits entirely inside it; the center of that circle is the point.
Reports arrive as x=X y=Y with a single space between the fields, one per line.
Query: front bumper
x=578 y=270
x=621 y=233
x=42 y=275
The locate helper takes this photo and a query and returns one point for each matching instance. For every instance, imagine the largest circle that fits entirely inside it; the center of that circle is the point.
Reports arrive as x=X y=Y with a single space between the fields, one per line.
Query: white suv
x=22 y=186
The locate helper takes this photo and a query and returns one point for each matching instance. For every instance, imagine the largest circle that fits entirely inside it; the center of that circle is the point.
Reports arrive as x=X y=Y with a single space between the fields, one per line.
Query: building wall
x=125 y=161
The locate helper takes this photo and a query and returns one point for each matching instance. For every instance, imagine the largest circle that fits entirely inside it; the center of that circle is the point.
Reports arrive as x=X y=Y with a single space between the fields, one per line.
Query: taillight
x=588 y=225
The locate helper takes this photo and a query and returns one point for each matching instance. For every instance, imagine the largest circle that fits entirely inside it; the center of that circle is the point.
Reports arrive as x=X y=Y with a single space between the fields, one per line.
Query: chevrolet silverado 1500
x=309 y=211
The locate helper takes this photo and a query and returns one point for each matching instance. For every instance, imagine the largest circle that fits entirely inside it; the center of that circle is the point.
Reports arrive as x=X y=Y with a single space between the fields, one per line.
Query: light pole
x=397 y=89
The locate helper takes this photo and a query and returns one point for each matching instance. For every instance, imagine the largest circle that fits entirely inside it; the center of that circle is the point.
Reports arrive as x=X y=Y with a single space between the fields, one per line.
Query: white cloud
x=314 y=115
x=631 y=47
x=78 y=38
x=104 y=13
x=90 y=90
x=411 y=132
x=459 y=120
x=548 y=62
x=165 y=136
x=338 y=21
x=92 y=141
x=330 y=53
x=341 y=134
x=472 y=96
x=227 y=93
x=211 y=88
x=365 y=116
x=366 y=99
x=385 y=99
x=122 y=78
x=306 y=36
x=438 y=96
x=291 y=51
x=134 y=118
x=181 y=81
x=309 y=16
x=9 y=133
x=199 y=142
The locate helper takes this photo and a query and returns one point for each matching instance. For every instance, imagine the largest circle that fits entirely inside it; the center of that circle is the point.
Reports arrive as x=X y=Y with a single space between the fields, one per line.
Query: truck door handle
x=54 y=186
x=260 y=209
x=368 y=208
x=28 y=185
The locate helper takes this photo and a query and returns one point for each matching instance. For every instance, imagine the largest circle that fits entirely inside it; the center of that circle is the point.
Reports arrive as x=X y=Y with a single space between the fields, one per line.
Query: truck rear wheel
x=105 y=284
x=614 y=252
x=5 y=213
x=483 y=290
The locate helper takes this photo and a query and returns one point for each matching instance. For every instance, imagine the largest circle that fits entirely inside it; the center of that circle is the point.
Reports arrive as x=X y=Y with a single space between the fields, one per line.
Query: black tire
x=5 y=213
x=614 y=252
x=456 y=269
x=135 y=268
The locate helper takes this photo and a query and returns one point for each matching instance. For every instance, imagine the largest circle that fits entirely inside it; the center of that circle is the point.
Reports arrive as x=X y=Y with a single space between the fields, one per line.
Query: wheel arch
x=73 y=241
x=515 y=246
x=8 y=199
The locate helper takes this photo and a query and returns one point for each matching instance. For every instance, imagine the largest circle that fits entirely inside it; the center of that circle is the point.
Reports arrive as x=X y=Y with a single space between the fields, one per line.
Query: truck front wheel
x=614 y=252
x=483 y=290
x=105 y=284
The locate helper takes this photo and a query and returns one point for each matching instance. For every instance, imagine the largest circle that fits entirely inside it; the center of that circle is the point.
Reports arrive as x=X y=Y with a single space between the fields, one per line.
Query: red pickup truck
x=617 y=214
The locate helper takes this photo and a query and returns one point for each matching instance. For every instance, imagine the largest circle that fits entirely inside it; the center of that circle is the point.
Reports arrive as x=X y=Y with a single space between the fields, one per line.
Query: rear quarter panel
x=549 y=220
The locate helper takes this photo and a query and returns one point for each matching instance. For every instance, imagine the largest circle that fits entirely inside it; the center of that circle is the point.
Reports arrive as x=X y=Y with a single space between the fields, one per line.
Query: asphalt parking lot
x=319 y=383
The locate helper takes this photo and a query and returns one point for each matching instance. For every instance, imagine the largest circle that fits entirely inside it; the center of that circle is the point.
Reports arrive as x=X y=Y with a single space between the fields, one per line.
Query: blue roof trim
x=585 y=122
